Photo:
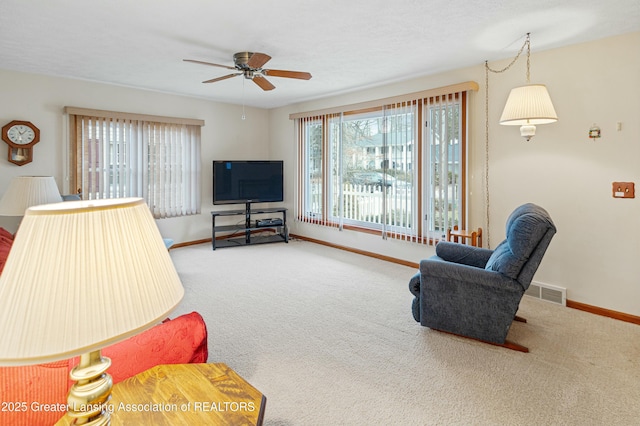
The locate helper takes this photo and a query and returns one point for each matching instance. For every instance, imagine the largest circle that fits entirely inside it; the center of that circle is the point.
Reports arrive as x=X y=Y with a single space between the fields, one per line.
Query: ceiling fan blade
x=288 y=74
x=213 y=80
x=263 y=82
x=257 y=60
x=209 y=63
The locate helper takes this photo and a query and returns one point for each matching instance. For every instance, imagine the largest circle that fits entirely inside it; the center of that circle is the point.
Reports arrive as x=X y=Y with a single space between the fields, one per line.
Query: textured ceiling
x=345 y=44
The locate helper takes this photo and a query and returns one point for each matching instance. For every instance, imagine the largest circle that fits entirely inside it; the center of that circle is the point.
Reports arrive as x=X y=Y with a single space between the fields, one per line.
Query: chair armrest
x=463 y=254
x=436 y=271
x=181 y=340
x=414 y=284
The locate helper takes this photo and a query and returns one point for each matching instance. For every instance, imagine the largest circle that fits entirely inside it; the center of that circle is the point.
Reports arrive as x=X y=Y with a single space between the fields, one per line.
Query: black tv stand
x=250 y=231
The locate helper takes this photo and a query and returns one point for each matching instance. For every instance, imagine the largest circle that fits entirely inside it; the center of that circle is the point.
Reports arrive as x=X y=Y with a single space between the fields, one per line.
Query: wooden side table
x=174 y=394
x=474 y=237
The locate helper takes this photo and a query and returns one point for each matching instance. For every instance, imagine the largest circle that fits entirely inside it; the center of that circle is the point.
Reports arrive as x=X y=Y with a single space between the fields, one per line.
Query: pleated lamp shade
x=530 y=104
x=26 y=191
x=82 y=275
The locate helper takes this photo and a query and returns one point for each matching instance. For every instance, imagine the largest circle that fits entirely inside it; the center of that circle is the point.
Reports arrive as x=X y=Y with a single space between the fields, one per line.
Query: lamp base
x=88 y=397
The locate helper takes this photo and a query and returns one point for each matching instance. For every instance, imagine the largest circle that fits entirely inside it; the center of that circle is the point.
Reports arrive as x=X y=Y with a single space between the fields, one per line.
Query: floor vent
x=550 y=293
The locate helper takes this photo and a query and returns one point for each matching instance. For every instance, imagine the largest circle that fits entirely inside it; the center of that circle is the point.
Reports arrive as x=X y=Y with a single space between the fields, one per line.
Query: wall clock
x=21 y=136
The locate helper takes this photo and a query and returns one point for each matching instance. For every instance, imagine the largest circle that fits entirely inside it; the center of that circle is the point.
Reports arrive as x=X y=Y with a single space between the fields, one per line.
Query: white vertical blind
x=400 y=123
x=335 y=169
x=158 y=161
x=443 y=162
x=310 y=195
x=315 y=194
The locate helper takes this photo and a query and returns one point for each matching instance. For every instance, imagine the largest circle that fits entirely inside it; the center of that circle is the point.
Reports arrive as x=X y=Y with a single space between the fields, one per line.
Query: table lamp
x=26 y=191
x=82 y=275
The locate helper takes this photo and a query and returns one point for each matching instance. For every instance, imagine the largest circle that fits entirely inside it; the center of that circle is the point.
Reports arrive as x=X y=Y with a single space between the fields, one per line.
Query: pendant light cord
x=527 y=44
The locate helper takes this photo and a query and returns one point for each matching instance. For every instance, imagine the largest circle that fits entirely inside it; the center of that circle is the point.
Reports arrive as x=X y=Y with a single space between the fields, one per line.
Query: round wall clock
x=21 y=136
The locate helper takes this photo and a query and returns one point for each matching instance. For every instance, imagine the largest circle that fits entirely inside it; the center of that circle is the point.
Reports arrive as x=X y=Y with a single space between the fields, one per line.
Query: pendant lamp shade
x=530 y=104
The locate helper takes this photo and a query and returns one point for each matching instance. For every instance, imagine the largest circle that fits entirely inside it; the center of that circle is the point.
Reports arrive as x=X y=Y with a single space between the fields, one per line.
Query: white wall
x=41 y=100
x=595 y=253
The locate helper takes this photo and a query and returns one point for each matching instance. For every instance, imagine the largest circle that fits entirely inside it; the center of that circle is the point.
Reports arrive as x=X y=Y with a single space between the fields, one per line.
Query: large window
x=396 y=168
x=116 y=155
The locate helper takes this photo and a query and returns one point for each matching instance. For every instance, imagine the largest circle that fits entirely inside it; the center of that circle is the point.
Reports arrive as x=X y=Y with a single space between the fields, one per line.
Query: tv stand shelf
x=249 y=232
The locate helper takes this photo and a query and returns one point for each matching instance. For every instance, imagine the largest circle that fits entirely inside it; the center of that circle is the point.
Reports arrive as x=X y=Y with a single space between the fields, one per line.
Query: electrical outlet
x=623 y=190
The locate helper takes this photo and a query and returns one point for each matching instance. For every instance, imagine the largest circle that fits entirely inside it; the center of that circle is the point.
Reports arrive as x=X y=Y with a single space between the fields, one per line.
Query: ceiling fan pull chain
x=243 y=114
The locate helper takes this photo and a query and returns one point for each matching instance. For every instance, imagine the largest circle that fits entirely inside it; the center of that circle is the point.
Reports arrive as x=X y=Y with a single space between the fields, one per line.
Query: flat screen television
x=236 y=182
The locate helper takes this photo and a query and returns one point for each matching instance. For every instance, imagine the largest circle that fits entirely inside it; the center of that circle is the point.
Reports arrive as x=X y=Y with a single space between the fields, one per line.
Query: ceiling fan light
x=528 y=105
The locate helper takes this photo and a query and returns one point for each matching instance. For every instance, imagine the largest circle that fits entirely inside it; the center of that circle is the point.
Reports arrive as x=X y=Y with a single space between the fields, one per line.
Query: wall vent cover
x=548 y=292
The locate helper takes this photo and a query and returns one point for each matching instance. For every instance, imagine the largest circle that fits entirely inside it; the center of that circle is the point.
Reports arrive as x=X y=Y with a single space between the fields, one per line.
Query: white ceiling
x=345 y=44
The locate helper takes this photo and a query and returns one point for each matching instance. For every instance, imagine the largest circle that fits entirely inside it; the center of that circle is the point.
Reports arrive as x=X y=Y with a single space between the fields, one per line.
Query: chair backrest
x=529 y=232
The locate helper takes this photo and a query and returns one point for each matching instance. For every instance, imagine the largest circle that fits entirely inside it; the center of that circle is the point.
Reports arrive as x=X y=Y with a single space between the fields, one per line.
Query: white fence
x=391 y=206
x=369 y=203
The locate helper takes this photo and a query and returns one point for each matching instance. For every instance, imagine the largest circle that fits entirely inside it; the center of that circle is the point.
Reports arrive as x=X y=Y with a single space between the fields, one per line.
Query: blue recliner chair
x=475 y=292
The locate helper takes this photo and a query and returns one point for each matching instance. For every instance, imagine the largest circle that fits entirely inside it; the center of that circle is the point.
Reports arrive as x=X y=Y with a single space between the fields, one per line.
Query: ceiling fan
x=250 y=65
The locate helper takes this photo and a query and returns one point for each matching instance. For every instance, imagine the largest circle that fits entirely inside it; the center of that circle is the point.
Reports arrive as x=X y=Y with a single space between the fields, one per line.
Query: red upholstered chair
x=37 y=394
x=182 y=340
x=6 y=240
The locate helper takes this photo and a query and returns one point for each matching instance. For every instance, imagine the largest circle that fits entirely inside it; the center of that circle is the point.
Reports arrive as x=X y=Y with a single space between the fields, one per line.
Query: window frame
x=457 y=94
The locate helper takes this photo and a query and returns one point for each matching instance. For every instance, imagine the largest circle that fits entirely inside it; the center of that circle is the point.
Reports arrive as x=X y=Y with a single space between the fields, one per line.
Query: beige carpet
x=328 y=337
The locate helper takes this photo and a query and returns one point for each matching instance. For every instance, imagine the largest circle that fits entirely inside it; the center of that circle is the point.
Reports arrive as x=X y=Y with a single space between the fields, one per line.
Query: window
x=394 y=168
x=115 y=155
